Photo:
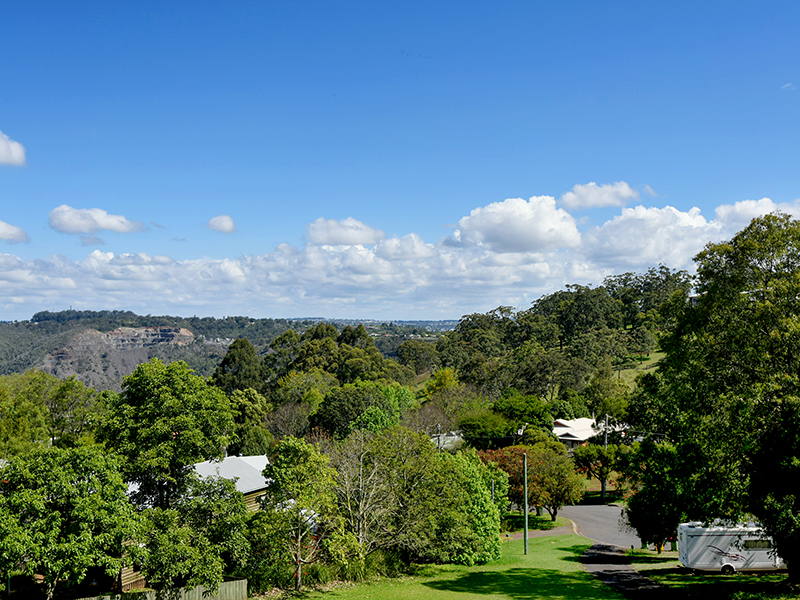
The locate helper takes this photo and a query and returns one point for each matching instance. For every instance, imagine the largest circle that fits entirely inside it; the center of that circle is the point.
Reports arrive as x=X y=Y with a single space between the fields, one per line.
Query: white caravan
x=726 y=548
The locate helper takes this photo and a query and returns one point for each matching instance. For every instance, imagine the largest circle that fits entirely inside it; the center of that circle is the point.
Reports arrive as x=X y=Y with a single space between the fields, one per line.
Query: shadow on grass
x=576 y=553
x=594 y=498
x=515 y=522
x=523 y=583
x=653 y=559
x=712 y=586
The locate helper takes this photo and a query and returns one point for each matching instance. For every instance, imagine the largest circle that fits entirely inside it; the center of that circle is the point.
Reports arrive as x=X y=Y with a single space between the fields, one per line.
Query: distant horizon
x=322 y=319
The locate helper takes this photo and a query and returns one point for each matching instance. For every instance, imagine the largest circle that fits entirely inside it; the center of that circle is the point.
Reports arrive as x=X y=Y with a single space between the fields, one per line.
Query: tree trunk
x=298 y=581
x=603 y=491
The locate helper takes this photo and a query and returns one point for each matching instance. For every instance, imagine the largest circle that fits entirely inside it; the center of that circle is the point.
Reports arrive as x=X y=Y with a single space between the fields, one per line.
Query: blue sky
x=373 y=160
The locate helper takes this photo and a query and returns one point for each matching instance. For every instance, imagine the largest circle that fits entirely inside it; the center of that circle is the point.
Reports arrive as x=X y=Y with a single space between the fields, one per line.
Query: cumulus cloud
x=643 y=236
x=66 y=219
x=12 y=234
x=222 y=223
x=348 y=232
x=591 y=195
x=11 y=152
x=408 y=247
x=517 y=225
x=736 y=216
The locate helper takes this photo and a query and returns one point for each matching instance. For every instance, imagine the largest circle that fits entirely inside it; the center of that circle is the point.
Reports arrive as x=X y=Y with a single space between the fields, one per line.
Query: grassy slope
x=629 y=375
x=551 y=570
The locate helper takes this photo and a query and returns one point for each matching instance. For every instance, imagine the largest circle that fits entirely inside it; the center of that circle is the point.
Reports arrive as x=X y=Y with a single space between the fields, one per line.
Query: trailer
x=726 y=548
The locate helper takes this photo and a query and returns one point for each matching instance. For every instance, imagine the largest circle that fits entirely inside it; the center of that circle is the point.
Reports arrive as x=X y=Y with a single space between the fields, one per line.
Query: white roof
x=246 y=470
x=578 y=430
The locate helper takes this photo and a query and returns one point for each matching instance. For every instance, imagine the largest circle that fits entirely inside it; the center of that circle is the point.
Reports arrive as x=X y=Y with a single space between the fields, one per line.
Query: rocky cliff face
x=101 y=360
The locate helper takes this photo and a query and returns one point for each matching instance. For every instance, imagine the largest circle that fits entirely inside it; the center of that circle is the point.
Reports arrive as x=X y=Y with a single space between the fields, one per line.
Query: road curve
x=601 y=524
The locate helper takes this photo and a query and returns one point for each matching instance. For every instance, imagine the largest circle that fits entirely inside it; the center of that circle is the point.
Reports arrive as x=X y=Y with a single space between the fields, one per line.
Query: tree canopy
x=727 y=397
x=165 y=420
x=63 y=511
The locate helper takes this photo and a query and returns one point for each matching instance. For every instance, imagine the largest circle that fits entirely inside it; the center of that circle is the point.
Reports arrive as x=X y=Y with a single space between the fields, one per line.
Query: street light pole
x=525 y=500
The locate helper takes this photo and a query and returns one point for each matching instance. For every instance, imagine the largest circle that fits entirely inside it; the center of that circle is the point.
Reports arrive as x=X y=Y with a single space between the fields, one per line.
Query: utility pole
x=525 y=492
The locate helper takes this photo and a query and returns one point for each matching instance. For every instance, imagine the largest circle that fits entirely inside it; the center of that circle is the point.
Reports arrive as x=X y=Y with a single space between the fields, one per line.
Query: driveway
x=601 y=524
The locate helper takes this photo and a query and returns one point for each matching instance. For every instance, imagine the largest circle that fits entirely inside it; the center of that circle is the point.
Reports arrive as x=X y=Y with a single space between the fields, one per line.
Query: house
x=245 y=470
x=574 y=432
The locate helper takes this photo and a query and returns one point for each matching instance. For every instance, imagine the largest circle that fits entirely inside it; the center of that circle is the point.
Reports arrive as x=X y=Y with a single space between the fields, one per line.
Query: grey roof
x=246 y=470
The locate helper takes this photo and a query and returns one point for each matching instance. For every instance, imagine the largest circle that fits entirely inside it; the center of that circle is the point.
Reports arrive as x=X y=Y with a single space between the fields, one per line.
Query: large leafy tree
x=62 y=512
x=728 y=393
x=166 y=419
x=596 y=461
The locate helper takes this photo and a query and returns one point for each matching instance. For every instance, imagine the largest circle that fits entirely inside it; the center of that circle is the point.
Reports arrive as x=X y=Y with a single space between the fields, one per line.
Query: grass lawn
x=515 y=521
x=551 y=570
x=666 y=570
x=651 y=362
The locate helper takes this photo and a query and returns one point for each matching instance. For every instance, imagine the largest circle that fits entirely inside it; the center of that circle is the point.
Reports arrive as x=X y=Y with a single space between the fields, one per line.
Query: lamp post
x=525 y=493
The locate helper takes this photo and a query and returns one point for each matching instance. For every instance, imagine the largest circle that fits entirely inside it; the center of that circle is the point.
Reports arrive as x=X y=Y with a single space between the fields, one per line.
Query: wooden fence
x=228 y=590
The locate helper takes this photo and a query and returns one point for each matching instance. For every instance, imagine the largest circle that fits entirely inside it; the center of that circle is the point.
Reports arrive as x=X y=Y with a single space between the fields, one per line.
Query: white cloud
x=516 y=225
x=591 y=195
x=11 y=152
x=641 y=237
x=66 y=219
x=505 y=253
x=342 y=233
x=735 y=217
x=222 y=223
x=408 y=247
x=788 y=86
x=12 y=234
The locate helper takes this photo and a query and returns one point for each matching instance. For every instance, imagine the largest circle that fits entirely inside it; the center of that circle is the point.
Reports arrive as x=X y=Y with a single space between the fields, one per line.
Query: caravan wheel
x=728 y=570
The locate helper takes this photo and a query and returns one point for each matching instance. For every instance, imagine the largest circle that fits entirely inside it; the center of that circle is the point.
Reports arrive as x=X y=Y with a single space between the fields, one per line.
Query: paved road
x=601 y=524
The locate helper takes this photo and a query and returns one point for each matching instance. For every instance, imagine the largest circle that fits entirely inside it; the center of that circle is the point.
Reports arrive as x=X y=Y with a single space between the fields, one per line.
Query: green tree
x=729 y=384
x=468 y=521
x=418 y=354
x=662 y=494
x=74 y=410
x=23 y=422
x=250 y=410
x=199 y=540
x=241 y=368
x=63 y=511
x=364 y=404
x=483 y=428
x=166 y=419
x=301 y=494
x=555 y=482
x=596 y=461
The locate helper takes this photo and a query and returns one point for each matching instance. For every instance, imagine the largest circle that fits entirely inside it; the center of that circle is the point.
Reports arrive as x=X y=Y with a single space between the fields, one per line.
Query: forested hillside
x=69 y=343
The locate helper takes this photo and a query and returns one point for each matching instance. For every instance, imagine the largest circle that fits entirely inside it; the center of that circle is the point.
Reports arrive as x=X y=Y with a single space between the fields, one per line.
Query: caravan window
x=757 y=544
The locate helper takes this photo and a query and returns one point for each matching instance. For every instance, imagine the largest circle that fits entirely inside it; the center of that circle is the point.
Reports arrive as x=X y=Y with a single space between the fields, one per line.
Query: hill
x=100 y=347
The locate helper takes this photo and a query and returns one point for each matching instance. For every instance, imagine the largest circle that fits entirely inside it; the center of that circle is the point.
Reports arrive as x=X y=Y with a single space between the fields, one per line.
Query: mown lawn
x=666 y=570
x=551 y=570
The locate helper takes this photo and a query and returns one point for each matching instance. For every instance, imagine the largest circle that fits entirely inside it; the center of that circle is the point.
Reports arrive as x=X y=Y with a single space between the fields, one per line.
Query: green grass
x=515 y=522
x=629 y=375
x=551 y=570
x=666 y=570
